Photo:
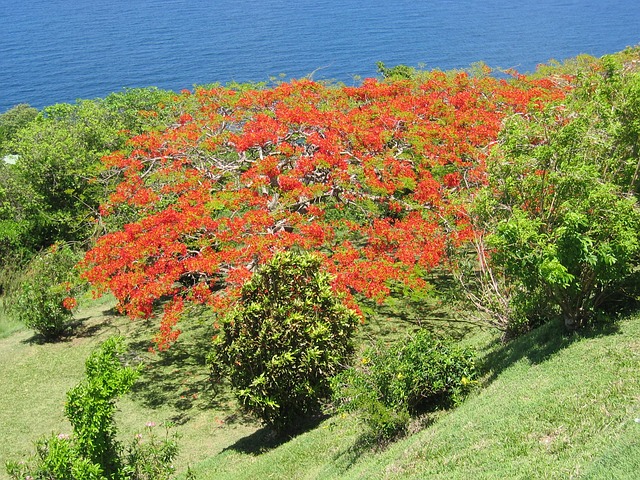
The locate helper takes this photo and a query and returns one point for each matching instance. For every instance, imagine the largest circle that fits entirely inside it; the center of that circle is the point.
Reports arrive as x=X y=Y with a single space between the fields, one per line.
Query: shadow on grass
x=259 y=442
x=179 y=376
x=394 y=319
x=265 y=438
x=83 y=329
x=75 y=330
x=79 y=328
x=38 y=339
x=367 y=442
x=538 y=345
x=405 y=311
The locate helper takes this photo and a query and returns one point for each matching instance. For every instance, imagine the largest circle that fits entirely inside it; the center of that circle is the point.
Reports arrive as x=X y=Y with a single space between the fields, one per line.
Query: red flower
x=244 y=174
x=69 y=303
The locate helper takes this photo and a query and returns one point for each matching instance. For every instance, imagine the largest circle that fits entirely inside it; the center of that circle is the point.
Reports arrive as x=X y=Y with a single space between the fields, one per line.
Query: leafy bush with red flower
x=46 y=296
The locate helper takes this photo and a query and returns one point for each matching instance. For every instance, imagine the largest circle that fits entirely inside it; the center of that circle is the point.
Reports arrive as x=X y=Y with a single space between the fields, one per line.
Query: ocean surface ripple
x=60 y=50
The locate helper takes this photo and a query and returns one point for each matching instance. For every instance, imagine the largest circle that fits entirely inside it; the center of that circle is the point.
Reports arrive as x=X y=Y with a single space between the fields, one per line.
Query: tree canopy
x=373 y=178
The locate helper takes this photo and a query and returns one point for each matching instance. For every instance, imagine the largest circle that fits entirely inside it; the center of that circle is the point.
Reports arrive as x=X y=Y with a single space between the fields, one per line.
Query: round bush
x=46 y=296
x=393 y=383
x=286 y=338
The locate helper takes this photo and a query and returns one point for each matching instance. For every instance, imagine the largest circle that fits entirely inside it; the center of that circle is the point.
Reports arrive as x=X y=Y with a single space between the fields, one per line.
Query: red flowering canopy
x=373 y=178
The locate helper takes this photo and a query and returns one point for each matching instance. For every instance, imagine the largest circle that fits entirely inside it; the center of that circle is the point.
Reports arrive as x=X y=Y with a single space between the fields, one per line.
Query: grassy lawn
x=172 y=389
x=8 y=324
x=550 y=406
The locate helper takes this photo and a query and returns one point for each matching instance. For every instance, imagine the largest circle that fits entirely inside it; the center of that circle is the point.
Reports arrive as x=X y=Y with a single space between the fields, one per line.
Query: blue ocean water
x=60 y=50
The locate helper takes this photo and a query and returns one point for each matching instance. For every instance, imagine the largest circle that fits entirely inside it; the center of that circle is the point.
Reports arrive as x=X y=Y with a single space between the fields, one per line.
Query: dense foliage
x=373 y=178
x=391 y=384
x=11 y=122
x=287 y=336
x=53 y=186
x=525 y=188
x=91 y=405
x=560 y=209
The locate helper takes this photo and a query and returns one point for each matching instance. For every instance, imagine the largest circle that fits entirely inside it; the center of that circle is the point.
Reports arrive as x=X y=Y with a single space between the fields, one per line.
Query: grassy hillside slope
x=553 y=407
x=550 y=406
x=173 y=387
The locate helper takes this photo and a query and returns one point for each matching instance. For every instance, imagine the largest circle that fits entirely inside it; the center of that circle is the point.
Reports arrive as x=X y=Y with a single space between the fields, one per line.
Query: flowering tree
x=373 y=178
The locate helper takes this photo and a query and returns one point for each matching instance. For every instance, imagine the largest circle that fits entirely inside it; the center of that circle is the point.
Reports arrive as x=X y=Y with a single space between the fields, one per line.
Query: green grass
x=8 y=324
x=550 y=406
x=173 y=387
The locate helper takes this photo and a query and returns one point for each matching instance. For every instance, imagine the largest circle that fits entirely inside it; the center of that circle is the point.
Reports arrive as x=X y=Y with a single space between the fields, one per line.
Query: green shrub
x=399 y=72
x=284 y=340
x=56 y=459
x=93 y=452
x=11 y=122
x=16 y=200
x=46 y=295
x=56 y=184
x=392 y=384
x=150 y=457
x=357 y=390
x=91 y=405
x=560 y=205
